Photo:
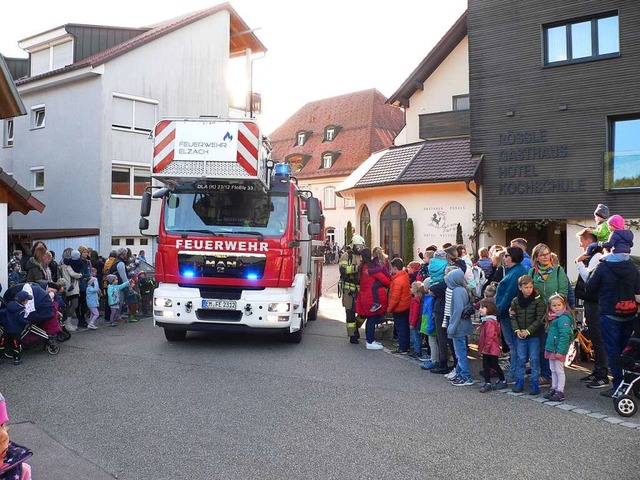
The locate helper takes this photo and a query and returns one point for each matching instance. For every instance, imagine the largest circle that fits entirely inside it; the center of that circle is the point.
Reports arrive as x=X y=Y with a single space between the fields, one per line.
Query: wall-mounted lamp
x=563 y=107
x=510 y=113
x=557 y=231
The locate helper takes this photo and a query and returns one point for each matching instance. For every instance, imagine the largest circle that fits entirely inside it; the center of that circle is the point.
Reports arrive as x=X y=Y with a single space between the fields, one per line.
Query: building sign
x=442 y=222
x=520 y=165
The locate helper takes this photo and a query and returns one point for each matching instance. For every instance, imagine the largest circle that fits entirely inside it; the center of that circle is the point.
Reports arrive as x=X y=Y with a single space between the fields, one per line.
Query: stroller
x=43 y=325
x=629 y=362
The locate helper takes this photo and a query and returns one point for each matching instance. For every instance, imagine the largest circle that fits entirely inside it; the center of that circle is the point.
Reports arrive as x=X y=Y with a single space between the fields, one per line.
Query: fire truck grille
x=219 y=315
x=188 y=168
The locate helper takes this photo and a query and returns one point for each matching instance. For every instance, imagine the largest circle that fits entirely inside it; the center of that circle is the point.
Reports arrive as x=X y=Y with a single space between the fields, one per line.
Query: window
x=327 y=160
x=144 y=241
x=129 y=181
x=37 y=178
x=115 y=241
x=51 y=58
x=365 y=220
x=7 y=136
x=302 y=137
x=134 y=114
x=37 y=116
x=461 y=102
x=624 y=152
x=329 y=198
x=582 y=40
x=329 y=134
x=129 y=241
x=393 y=220
x=349 y=203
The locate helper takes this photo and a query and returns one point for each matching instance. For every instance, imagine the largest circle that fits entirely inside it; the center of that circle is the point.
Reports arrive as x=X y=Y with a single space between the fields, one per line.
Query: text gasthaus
x=222 y=245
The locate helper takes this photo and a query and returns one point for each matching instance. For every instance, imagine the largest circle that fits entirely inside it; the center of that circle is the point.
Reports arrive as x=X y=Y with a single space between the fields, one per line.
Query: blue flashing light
x=252 y=276
x=282 y=170
x=189 y=273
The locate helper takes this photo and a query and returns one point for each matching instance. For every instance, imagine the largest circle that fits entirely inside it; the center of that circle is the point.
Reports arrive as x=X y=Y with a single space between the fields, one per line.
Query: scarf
x=552 y=315
x=525 y=301
x=543 y=272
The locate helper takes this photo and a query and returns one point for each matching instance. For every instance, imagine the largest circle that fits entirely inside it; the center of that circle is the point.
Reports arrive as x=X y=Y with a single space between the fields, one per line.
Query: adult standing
x=615 y=284
x=599 y=378
x=507 y=290
x=522 y=244
x=35 y=265
x=86 y=275
x=348 y=286
x=400 y=303
x=365 y=301
x=548 y=279
x=71 y=275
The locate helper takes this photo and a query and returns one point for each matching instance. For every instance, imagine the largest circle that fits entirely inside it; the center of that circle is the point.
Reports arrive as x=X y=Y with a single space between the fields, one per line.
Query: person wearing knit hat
x=437 y=265
x=4 y=417
x=600 y=215
x=620 y=241
x=12 y=455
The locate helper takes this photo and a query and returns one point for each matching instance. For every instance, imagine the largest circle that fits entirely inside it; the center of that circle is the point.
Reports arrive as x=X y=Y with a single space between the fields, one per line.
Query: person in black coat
x=14 y=323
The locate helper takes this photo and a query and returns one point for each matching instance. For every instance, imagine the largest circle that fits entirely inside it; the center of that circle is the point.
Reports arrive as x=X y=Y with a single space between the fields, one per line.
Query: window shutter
x=62 y=55
x=40 y=62
x=145 y=116
x=122 y=112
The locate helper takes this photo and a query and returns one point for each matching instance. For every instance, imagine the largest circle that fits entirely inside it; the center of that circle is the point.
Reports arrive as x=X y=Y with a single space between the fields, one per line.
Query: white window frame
x=349 y=202
x=133 y=128
x=301 y=139
x=38 y=117
x=459 y=100
x=8 y=133
x=329 y=198
x=131 y=167
x=34 y=178
x=330 y=134
x=327 y=160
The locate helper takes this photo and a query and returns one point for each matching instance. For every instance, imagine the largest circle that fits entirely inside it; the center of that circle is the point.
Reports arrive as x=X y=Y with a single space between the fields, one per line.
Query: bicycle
x=581 y=347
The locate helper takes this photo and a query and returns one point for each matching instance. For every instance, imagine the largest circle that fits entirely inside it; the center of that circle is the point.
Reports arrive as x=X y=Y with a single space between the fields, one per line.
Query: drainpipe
x=476 y=242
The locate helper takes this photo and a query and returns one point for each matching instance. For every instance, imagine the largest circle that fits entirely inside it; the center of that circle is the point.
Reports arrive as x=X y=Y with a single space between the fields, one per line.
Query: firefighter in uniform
x=348 y=286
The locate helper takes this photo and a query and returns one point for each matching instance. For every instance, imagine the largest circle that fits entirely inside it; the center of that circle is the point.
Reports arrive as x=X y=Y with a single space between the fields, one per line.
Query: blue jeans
x=545 y=369
x=460 y=347
x=528 y=348
x=401 y=321
x=416 y=340
x=370 y=327
x=616 y=335
x=616 y=257
x=510 y=338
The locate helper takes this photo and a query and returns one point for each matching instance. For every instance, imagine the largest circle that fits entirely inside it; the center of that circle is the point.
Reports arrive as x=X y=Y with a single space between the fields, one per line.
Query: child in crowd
x=414 y=269
x=423 y=274
x=146 y=287
x=560 y=329
x=415 y=318
x=489 y=345
x=380 y=264
x=428 y=327
x=484 y=262
x=132 y=297
x=620 y=240
x=437 y=266
x=93 y=300
x=12 y=455
x=113 y=297
x=14 y=323
x=459 y=327
x=14 y=274
x=600 y=215
x=527 y=311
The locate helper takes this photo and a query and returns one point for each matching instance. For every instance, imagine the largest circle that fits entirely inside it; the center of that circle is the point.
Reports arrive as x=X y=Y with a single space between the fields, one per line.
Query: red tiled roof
x=366 y=124
x=243 y=38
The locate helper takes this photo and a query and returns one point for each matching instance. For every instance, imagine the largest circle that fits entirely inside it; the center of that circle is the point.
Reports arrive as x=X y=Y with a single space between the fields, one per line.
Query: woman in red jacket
x=365 y=301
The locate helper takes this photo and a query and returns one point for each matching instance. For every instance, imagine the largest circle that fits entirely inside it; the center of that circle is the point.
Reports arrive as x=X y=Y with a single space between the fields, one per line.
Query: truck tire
x=175 y=335
x=295 y=337
x=313 y=313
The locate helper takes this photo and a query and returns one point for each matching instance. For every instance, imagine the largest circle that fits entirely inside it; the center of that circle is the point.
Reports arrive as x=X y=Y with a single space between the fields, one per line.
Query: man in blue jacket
x=506 y=292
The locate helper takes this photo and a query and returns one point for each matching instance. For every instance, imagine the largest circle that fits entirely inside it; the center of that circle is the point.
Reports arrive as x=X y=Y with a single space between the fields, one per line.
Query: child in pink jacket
x=489 y=345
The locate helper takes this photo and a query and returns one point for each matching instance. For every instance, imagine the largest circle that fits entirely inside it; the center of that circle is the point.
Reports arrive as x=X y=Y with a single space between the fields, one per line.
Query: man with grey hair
x=522 y=243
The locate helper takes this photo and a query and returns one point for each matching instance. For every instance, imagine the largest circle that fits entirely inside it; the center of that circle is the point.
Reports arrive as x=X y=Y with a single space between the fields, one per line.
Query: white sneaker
x=374 y=346
x=70 y=326
x=451 y=375
x=92 y=326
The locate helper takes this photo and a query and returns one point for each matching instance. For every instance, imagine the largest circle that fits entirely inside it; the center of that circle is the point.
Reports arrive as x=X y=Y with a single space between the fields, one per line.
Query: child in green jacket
x=560 y=330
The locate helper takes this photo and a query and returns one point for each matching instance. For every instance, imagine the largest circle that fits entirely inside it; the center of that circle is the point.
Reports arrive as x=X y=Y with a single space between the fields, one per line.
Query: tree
x=459 y=239
x=367 y=235
x=408 y=243
x=348 y=234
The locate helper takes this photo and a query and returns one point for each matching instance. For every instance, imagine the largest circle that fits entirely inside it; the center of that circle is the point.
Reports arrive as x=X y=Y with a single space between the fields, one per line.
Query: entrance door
x=393 y=221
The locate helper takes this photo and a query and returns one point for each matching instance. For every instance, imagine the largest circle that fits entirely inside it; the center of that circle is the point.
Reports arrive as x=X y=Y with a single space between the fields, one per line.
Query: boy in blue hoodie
x=15 y=321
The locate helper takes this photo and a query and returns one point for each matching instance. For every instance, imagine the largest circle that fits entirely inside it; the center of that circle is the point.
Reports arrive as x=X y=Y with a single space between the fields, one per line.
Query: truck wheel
x=175 y=335
x=313 y=313
x=295 y=337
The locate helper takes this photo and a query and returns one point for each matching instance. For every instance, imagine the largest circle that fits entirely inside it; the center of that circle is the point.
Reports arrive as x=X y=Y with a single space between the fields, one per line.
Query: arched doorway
x=393 y=221
x=365 y=219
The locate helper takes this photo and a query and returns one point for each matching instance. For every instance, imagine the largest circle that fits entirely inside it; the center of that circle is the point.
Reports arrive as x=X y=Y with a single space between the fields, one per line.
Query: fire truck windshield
x=226 y=212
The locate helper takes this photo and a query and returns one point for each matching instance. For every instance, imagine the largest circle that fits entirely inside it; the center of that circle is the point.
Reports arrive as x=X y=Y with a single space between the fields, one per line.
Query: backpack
x=624 y=296
x=480 y=279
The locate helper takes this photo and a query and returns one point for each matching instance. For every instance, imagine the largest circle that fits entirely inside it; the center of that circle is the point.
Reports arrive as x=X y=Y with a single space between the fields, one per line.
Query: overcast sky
x=316 y=49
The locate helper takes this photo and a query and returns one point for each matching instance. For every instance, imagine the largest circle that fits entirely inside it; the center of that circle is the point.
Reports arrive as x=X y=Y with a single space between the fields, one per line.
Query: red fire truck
x=238 y=241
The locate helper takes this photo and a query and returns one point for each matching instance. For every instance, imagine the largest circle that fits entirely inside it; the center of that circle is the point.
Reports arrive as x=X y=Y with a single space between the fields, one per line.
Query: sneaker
x=455 y=379
x=549 y=394
x=500 y=385
x=92 y=326
x=589 y=378
x=375 y=307
x=464 y=382
x=374 y=346
x=544 y=381
x=401 y=352
x=510 y=380
x=133 y=320
x=428 y=365
x=557 y=396
x=608 y=393
x=114 y=324
x=599 y=383
x=425 y=358
x=451 y=375
x=17 y=361
x=486 y=387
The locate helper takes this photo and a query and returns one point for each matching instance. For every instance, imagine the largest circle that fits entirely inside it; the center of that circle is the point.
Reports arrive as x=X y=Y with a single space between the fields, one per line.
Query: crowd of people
x=525 y=302
x=81 y=286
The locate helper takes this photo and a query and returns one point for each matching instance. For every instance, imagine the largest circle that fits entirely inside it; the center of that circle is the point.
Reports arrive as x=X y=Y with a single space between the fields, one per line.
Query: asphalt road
x=124 y=403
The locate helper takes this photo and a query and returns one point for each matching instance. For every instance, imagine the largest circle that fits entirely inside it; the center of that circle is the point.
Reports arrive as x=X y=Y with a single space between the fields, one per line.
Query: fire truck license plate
x=219 y=304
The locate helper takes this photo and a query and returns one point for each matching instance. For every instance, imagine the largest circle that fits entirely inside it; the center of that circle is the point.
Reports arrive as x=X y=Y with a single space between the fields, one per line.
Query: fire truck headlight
x=279 y=307
x=162 y=302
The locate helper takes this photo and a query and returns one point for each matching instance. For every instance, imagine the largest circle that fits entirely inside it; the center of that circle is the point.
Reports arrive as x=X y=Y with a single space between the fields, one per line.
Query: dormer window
x=330 y=132
x=51 y=58
x=297 y=162
x=327 y=160
x=302 y=137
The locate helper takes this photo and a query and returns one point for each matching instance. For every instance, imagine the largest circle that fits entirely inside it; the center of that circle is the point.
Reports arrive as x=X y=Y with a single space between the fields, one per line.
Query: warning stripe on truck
x=247 y=146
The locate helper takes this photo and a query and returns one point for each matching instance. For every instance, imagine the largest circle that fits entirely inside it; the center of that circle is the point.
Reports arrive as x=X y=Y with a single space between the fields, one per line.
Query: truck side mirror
x=314 y=213
x=314 y=229
x=145 y=205
x=144 y=224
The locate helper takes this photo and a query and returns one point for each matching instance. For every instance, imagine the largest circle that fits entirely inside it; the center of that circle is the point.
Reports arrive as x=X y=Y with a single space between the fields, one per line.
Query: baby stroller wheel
x=625 y=405
x=63 y=336
x=53 y=349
